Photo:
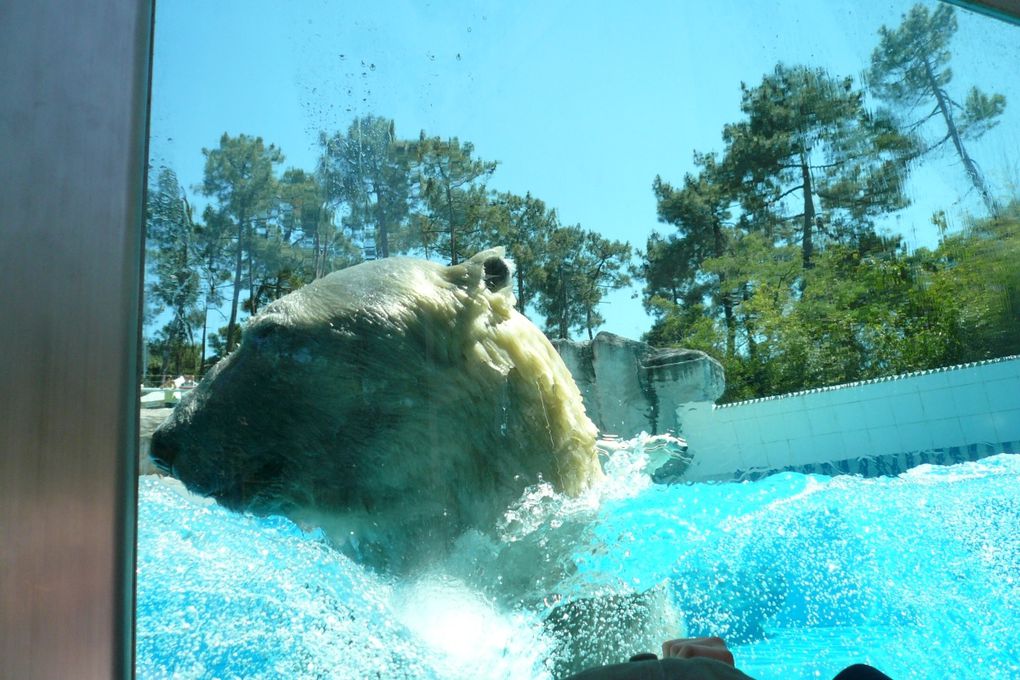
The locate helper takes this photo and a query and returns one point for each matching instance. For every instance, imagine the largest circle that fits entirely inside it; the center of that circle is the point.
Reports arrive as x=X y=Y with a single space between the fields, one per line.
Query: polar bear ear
x=488 y=266
x=496 y=269
x=497 y=273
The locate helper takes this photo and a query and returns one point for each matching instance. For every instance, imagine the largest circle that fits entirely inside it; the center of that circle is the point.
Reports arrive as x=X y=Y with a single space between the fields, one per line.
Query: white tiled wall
x=934 y=411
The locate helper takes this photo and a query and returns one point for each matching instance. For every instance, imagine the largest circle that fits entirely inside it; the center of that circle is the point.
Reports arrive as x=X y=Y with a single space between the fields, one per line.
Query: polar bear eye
x=264 y=332
x=497 y=273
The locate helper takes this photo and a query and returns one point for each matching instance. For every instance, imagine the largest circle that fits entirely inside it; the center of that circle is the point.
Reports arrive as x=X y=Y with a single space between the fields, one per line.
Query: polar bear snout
x=162 y=452
x=214 y=471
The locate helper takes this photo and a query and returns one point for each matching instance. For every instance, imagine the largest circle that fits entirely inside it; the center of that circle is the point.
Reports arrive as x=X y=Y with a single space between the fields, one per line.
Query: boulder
x=629 y=387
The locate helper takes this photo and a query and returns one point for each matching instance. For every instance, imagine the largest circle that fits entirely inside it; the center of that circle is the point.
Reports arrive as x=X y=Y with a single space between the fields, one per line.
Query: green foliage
x=430 y=196
x=980 y=112
x=808 y=168
x=174 y=287
x=867 y=310
x=689 y=326
x=522 y=225
x=810 y=163
x=239 y=176
x=775 y=266
x=372 y=194
x=170 y=356
x=451 y=186
x=259 y=234
x=367 y=172
x=912 y=61
x=311 y=242
x=220 y=340
x=700 y=211
x=976 y=270
x=577 y=269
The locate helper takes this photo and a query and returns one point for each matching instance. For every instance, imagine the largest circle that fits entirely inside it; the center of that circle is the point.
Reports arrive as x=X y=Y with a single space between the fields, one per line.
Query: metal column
x=73 y=104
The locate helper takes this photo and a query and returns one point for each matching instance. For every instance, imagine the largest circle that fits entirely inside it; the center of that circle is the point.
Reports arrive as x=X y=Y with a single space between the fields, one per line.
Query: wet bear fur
x=396 y=403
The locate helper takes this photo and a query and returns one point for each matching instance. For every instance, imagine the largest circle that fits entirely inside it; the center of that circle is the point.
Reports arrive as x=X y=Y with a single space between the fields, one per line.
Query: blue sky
x=582 y=103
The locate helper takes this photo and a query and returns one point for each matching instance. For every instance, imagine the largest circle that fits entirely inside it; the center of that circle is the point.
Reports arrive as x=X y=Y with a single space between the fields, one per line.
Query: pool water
x=918 y=575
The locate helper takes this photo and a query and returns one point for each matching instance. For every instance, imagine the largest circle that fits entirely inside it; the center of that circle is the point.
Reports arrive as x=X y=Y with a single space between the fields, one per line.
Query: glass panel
x=503 y=341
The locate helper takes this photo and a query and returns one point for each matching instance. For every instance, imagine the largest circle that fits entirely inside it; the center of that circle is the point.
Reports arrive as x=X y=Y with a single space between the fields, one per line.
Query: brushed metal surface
x=73 y=106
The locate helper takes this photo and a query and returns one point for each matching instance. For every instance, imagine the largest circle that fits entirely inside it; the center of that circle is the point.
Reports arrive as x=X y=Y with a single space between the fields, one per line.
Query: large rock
x=629 y=387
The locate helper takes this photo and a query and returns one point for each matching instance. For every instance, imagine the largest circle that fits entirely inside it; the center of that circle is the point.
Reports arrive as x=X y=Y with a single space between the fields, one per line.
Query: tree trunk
x=719 y=246
x=191 y=341
x=453 y=230
x=382 y=238
x=752 y=345
x=252 y=297
x=164 y=364
x=317 y=257
x=807 y=247
x=521 y=302
x=968 y=162
x=201 y=351
x=564 y=328
x=731 y=324
x=238 y=270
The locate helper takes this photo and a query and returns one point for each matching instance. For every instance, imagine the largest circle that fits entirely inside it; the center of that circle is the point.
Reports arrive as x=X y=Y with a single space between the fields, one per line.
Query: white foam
x=469 y=635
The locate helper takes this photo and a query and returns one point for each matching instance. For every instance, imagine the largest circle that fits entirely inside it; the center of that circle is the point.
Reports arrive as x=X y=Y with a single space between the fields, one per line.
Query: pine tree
x=910 y=70
x=175 y=288
x=700 y=211
x=239 y=176
x=578 y=268
x=522 y=225
x=813 y=162
x=451 y=186
x=366 y=173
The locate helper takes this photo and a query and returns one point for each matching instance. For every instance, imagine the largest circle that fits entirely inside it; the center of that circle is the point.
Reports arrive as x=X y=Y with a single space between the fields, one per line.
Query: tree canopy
x=264 y=233
x=774 y=254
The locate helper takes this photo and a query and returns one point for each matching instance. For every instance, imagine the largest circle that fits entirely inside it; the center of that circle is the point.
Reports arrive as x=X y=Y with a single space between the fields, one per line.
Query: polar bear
x=405 y=407
x=396 y=403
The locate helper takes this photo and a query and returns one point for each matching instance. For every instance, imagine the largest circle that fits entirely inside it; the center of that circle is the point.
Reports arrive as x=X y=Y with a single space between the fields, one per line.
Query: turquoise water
x=918 y=575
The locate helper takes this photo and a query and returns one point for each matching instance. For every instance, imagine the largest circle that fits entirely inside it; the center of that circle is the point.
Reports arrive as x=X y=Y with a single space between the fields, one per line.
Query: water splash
x=803 y=574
